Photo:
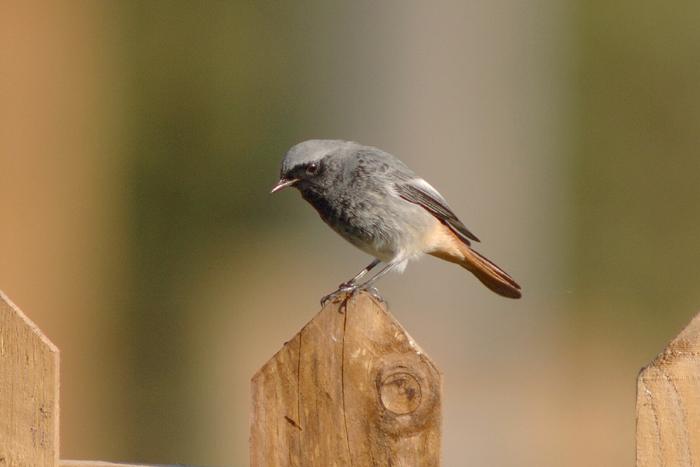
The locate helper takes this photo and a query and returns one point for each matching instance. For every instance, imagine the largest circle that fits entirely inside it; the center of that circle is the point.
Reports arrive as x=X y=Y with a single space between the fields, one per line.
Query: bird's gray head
x=311 y=162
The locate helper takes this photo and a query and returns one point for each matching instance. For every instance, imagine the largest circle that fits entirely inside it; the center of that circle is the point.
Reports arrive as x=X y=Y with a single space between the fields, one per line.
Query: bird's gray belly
x=384 y=227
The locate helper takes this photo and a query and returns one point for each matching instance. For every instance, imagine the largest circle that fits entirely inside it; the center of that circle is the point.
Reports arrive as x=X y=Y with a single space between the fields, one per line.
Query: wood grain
x=29 y=372
x=351 y=388
x=668 y=404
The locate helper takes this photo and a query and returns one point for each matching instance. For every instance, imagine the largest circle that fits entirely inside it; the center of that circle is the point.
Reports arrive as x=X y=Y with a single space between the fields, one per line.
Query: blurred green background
x=139 y=140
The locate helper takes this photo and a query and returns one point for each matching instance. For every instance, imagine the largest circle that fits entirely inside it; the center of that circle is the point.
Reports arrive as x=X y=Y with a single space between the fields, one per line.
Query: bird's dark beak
x=283 y=183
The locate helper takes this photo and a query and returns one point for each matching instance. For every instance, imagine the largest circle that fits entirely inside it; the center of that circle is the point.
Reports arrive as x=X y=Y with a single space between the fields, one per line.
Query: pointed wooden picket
x=29 y=411
x=668 y=404
x=351 y=388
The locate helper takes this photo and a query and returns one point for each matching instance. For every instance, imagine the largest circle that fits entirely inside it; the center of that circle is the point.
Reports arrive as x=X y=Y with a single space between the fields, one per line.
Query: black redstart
x=374 y=201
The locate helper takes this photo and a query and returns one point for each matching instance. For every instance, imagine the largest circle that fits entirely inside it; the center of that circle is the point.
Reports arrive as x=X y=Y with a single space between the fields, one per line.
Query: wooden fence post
x=29 y=383
x=668 y=404
x=351 y=388
x=28 y=391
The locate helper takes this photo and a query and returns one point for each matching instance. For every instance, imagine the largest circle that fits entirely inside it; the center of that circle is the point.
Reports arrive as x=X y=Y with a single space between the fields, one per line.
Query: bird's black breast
x=344 y=213
x=333 y=208
x=328 y=209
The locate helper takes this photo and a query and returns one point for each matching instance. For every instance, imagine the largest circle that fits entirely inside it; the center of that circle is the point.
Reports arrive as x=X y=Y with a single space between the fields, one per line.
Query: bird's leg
x=353 y=281
x=369 y=285
x=351 y=288
x=350 y=285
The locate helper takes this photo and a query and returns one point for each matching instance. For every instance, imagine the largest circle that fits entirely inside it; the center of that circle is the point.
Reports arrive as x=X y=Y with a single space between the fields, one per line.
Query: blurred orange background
x=139 y=140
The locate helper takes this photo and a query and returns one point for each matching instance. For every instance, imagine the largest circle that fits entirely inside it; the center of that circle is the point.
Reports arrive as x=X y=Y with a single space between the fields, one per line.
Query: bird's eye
x=312 y=168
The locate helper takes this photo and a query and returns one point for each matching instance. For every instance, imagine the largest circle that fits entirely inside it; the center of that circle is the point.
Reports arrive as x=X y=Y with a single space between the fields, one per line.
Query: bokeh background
x=139 y=140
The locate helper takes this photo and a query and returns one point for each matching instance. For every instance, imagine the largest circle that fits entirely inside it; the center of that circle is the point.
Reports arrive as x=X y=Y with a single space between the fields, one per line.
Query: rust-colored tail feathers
x=489 y=274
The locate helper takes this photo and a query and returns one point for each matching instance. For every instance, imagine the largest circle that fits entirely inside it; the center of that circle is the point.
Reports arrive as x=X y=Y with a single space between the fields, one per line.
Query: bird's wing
x=418 y=191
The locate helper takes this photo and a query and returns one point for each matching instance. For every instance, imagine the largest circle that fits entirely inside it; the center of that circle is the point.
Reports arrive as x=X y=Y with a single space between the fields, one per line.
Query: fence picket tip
x=668 y=403
x=351 y=388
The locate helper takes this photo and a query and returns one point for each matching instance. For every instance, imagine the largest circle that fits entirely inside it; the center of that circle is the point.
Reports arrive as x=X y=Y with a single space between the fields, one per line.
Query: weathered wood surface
x=351 y=388
x=29 y=365
x=668 y=404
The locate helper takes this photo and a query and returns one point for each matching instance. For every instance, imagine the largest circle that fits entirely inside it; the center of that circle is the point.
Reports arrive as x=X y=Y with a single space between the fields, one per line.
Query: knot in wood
x=408 y=393
x=400 y=393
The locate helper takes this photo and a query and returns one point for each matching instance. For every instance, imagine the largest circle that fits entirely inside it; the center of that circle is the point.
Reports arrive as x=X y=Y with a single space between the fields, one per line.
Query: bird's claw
x=346 y=289
x=350 y=290
x=373 y=291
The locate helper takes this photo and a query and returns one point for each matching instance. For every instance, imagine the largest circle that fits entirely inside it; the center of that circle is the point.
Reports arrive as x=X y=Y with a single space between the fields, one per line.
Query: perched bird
x=374 y=201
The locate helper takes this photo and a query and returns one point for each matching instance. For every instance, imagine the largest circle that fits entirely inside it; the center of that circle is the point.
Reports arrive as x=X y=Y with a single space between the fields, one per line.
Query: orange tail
x=450 y=247
x=489 y=274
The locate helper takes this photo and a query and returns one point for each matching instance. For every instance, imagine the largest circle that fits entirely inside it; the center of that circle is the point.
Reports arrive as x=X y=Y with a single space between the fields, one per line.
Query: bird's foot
x=373 y=291
x=350 y=290
x=345 y=291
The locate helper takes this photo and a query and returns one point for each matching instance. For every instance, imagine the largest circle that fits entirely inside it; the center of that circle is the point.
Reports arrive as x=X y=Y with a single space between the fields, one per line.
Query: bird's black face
x=304 y=176
x=305 y=173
